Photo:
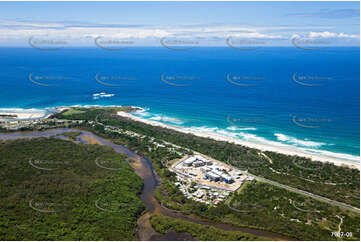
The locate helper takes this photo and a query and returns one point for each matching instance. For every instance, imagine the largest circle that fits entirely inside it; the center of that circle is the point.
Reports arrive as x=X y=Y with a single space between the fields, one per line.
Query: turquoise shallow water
x=308 y=99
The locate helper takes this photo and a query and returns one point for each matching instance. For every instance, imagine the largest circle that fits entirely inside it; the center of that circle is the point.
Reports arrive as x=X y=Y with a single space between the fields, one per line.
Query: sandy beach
x=27 y=114
x=283 y=149
x=22 y=114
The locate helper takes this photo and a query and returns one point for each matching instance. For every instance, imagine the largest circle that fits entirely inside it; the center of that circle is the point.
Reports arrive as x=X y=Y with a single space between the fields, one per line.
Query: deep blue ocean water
x=260 y=101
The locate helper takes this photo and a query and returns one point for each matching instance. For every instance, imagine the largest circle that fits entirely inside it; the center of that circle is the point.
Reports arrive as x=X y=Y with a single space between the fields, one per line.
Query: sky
x=179 y=23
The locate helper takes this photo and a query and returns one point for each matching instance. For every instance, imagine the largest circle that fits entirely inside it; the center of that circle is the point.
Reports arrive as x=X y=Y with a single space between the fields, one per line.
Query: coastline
x=37 y=114
x=23 y=114
x=283 y=149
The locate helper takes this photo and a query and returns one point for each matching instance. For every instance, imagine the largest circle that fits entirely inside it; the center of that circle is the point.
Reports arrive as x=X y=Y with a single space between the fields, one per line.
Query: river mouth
x=143 y=168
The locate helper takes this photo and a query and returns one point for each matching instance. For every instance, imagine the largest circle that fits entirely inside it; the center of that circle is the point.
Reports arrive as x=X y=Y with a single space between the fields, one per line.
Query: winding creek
x=144 y=168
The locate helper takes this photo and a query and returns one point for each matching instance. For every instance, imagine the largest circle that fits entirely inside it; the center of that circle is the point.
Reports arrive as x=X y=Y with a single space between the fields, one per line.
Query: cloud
x=18 y=29
x=81 y=33
x=333 y=14
x=327 y=34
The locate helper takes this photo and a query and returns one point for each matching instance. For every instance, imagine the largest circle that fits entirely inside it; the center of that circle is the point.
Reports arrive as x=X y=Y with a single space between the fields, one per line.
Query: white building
x=198 y=163
x=189 y=161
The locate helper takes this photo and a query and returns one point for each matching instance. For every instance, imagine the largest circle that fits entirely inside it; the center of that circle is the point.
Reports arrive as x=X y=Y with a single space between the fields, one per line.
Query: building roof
x=190 y=160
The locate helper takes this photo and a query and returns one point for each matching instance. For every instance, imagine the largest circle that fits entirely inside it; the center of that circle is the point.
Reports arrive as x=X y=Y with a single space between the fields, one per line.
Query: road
x=340 y=204
x=324 y=199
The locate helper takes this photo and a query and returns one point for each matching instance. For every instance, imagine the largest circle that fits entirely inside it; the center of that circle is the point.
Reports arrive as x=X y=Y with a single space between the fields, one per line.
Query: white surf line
x=261 y=147
x=305 y=193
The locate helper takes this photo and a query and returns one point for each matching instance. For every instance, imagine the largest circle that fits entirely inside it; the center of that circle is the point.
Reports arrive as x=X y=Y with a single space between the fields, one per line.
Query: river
x=143 y=168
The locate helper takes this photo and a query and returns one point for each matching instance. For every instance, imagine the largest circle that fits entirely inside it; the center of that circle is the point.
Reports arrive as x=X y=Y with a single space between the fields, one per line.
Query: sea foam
x=294 y=141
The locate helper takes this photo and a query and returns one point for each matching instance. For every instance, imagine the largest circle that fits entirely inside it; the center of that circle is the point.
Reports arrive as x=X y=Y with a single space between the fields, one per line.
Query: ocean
x=309 y=99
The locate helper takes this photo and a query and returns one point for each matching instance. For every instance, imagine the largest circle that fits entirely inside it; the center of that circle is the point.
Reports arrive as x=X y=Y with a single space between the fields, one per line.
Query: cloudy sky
x=204 y=23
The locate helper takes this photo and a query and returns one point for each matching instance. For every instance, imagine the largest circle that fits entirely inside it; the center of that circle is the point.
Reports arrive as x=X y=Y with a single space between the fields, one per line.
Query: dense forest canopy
x=66 y=196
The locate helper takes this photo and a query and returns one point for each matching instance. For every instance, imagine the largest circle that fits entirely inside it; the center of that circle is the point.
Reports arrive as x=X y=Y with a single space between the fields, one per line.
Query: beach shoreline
x=283 y=149
x=22 y=114
x=35 y=114
x=19 y=114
